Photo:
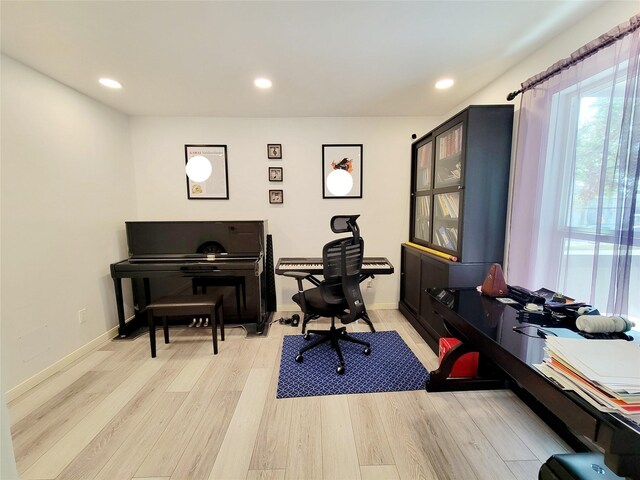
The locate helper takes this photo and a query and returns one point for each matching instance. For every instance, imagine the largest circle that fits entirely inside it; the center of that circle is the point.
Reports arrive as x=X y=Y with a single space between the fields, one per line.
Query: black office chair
x=338 y=295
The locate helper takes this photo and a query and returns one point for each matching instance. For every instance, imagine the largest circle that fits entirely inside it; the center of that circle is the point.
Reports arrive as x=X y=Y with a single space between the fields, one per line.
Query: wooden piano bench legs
x=205 y=305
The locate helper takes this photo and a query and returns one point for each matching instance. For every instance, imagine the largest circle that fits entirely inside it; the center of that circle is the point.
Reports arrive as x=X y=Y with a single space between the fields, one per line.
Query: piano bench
x=204 y=305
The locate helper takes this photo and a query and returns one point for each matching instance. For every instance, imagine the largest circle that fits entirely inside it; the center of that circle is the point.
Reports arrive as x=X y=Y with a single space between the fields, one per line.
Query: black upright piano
x=175 y=257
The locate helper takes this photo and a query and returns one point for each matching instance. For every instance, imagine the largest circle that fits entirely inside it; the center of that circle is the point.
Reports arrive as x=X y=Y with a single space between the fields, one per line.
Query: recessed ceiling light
x=107 y=82
x=444 y=83
x=262 y=83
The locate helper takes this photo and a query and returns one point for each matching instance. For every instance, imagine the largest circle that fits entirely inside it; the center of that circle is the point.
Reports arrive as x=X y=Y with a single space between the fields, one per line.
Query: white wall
x=8 y=468
x=67 y=186
x=603 y=19
x=300 y=226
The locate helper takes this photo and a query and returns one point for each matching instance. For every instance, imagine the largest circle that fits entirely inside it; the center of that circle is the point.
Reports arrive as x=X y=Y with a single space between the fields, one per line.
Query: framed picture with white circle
x=206 y=169
x=342 y=171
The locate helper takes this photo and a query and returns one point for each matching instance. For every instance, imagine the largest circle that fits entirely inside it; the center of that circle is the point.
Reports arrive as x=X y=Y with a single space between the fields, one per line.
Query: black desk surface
x=489 y=326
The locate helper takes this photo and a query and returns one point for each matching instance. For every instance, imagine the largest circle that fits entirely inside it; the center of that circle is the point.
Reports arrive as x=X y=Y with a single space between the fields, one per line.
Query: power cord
x=294 y=320
x=540 y=332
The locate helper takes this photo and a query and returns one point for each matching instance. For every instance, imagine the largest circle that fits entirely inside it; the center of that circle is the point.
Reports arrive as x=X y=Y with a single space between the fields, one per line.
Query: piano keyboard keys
x=372 y=265
x=304 y=266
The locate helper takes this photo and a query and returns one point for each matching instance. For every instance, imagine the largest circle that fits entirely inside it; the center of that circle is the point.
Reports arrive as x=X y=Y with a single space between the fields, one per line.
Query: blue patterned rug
x=391 y=367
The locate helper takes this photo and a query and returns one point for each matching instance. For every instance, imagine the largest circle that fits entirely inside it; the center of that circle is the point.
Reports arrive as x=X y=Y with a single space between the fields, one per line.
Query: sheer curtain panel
x=575 y=220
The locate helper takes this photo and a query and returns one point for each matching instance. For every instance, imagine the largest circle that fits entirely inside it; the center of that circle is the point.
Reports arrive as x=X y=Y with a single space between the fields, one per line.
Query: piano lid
x=192 y=257
x=188 y=237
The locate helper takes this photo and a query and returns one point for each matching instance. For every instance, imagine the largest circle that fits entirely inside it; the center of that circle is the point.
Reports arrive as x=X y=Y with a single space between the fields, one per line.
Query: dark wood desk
x=486 y=325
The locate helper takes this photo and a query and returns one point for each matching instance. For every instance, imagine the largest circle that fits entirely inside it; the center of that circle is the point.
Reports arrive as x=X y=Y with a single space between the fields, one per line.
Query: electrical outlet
x=82 y=313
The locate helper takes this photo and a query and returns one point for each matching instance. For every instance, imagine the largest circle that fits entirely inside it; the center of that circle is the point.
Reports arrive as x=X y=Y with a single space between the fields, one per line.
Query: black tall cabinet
x=459 y=191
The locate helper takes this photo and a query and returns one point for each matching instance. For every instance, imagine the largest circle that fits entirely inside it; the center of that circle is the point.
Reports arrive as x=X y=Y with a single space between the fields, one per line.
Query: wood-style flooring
x=119 y=414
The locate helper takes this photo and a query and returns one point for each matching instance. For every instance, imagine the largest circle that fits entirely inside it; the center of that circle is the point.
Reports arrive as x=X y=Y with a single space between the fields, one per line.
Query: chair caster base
x=367 y=351
x=299 y=358
x=306 y=336
x=340 y=370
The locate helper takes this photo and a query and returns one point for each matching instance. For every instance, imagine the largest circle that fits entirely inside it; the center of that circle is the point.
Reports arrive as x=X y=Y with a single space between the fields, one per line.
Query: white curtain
x=575 y=217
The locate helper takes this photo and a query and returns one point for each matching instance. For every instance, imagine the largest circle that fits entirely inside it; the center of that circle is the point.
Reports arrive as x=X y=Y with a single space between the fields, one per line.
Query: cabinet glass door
x=448 y=157
x=422 y=218
x=424 y=161
x=446 y=210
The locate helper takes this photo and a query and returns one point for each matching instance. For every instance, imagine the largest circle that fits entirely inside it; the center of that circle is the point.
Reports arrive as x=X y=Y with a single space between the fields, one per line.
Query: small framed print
x=274 y=151
x=275 y=174
x=276 y=196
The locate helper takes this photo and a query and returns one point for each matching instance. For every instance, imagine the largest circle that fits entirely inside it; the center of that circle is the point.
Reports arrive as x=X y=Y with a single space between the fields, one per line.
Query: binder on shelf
x=454 y=234
x=445 y=241
x=453 y=203
x=443 y=206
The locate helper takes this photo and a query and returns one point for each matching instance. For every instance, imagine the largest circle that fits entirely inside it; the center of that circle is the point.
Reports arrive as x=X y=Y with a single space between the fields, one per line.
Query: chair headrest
x=345 y=223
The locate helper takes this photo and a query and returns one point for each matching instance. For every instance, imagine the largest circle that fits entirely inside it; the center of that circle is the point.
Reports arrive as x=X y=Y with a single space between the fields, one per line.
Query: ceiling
x=325 y=58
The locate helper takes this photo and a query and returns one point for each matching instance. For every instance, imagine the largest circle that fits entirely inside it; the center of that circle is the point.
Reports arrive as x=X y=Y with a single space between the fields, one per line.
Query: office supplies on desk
x=603 y=324
x=494 y=284
x=524 y=296
x=607 y=336
x=553 y=297
x=538 y=317
x=545 y=332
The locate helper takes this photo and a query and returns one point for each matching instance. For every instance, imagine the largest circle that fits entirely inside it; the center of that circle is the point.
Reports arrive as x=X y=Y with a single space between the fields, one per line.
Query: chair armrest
x=297 y=275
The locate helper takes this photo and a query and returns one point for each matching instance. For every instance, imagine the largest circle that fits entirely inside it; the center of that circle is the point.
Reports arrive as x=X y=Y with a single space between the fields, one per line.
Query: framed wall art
x=275 y=174
x=216 y=186
x=342 y=171
x=274 y=151
x=276 y=196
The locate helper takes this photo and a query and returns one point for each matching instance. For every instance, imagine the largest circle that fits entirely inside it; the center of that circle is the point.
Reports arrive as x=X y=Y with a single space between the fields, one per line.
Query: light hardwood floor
x=187 y=414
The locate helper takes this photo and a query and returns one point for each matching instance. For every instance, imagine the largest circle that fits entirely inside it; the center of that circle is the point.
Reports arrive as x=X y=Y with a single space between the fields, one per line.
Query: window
x=575 y=214
x=583 y=155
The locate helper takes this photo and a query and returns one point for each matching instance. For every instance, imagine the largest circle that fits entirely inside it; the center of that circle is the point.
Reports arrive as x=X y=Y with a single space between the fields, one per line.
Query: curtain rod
x=583 y=52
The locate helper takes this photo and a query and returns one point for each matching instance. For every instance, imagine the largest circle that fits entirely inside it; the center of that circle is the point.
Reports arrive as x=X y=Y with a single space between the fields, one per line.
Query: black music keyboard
x=313 y=265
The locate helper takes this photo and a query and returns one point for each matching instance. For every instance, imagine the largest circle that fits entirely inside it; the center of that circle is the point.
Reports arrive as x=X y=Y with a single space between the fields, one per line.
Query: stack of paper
x=606 y=373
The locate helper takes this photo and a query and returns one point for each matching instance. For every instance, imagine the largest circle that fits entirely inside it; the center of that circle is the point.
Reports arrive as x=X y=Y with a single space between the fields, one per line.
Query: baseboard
x=28 y=384
x=374 y=306
x=382 y=306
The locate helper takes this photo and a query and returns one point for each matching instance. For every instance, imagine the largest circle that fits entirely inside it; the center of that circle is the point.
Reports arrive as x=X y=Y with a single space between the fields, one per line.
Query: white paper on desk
x=554 y=377
x=567 y=383
x=608 y=362
x=507 y=300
